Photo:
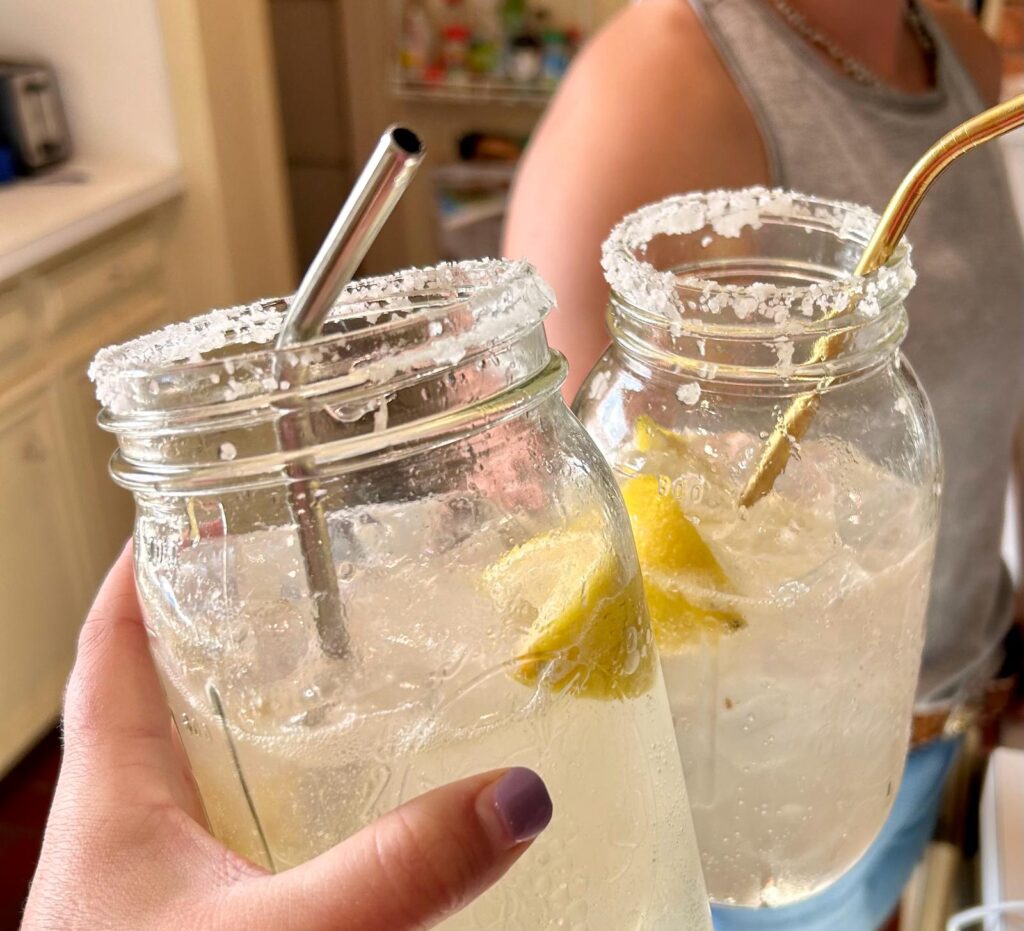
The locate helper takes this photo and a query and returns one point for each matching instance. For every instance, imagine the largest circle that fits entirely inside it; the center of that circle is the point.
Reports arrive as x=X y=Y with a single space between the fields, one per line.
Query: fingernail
x=522 y=802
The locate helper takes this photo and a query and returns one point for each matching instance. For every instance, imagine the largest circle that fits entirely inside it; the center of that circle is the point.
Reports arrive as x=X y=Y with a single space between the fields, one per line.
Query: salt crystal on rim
x=503 y=296
x=728 y=213
x=689 y=393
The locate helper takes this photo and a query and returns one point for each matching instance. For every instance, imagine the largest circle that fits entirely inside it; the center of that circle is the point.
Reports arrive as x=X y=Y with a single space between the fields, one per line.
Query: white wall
x=110 y=64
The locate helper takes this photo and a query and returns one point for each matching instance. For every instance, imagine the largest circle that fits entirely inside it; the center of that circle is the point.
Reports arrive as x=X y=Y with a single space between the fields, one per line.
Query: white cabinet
x=105 y=511
x=63 y=519
x=39 y=572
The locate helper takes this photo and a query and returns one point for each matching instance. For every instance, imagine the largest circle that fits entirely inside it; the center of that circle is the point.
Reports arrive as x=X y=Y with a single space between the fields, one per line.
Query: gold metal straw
x=795 y=422
x=376 y=192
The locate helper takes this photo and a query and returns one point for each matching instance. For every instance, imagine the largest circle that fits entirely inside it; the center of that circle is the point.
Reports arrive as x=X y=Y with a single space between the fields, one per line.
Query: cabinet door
x=105 y=511
x=39 y=578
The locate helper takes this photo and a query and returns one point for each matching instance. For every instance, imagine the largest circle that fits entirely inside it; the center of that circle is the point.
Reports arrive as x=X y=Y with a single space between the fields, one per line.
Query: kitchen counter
x=44 y=216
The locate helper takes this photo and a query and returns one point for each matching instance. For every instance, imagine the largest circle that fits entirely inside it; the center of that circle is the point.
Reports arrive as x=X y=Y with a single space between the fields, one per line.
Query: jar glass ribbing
x=491 y=611
x=790 y=631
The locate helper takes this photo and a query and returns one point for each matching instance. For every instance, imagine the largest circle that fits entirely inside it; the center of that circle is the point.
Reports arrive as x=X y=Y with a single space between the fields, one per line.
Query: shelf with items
x=471 y=200
x=485 y=51
x=478 y=92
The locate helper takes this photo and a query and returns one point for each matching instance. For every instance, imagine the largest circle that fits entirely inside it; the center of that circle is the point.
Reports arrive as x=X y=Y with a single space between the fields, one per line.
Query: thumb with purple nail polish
x=521 y=804
x=424 y=860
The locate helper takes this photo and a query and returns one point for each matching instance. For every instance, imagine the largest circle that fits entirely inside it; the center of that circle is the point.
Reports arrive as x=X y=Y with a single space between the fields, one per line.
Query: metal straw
x=376 y=192
x=795 y=422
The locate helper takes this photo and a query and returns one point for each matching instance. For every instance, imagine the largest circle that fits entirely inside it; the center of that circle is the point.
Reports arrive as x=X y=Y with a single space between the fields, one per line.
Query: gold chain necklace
x=850 y=66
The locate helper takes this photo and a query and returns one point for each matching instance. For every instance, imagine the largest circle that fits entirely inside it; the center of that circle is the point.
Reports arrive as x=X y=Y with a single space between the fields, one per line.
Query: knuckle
x=83 y=715
x=116 y=620
x=79 y=704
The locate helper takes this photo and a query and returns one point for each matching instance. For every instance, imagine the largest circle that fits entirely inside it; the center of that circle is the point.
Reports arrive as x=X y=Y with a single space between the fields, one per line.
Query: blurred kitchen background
x=161 y=157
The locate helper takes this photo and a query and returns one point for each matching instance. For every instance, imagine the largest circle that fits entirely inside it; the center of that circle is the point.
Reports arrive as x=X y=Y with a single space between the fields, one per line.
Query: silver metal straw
x=376 y=192
x=384 y=179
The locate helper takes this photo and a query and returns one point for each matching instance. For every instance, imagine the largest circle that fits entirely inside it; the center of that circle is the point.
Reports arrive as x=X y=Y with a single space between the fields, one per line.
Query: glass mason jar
x=483 y=609
x=790 y=629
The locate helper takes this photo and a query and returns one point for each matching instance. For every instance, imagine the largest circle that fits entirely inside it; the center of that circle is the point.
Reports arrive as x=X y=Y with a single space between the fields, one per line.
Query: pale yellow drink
x=790 y=638
x=619 y=853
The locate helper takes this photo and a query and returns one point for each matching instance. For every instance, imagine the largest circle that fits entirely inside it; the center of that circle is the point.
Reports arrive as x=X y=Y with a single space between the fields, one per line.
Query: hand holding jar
x=126 y=845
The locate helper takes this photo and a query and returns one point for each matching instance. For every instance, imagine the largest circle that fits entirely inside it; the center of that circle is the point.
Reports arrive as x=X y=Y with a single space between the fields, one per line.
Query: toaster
x=32 y=121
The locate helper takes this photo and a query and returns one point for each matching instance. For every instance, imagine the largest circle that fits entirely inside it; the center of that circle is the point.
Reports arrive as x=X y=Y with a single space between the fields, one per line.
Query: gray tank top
x=830 y=136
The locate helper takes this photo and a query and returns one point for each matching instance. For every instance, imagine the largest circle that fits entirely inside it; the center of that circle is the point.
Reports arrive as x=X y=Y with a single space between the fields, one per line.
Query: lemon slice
x=588 y=634
x=672 y=551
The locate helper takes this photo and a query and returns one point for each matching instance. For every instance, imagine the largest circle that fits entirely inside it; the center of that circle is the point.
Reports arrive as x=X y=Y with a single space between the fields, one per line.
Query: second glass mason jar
x=484 y=607
x=790 y=629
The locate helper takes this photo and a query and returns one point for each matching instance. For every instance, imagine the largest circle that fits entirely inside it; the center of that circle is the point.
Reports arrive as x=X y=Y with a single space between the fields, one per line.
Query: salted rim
x=493 y=288
x=728 y=213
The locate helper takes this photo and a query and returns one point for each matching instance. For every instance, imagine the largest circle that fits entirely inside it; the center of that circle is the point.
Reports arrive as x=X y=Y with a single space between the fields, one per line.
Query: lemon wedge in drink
x=671 y=550
x=588 y=631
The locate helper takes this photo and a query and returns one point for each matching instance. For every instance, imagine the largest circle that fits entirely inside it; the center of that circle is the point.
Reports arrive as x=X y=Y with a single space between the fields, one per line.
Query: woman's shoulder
x=977 y=52
x=654 y=66
x=662 y=38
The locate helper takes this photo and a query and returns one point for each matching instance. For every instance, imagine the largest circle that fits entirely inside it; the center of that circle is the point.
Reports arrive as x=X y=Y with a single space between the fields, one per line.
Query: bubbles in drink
x=309 y=750
x=803 y=707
